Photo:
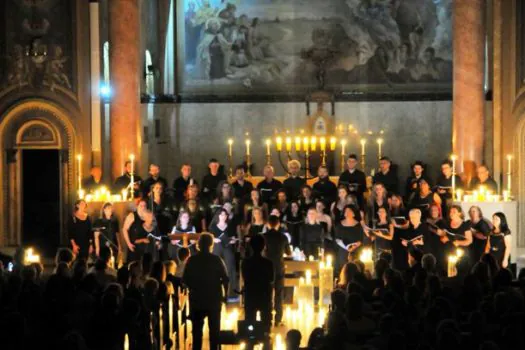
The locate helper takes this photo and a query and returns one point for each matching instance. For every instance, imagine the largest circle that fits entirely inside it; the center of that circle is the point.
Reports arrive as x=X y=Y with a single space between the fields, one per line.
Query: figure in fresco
x=55 y=70
x=19 y=72
x=213 y=52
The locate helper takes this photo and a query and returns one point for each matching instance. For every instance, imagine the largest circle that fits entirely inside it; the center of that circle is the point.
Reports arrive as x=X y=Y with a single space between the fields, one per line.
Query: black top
x=497 y=245
x=459 y=232
x=292 y=187
x=258 y=276
x=477 y=248
x=382 y=244
x=223 y=235
x=80 y=232
x=276 y=246
x=446 y=184
x=122 y=182
x=422 y=203
x=311 y=238
x=210 y=184
x=135 y=230
x=163 y=212
x=325 y=190
x=255 y=229
x=350 y=234
x=490 y=184
x=268 y=190
x=389 y=180
x=412 y=185
x=180 y=185
x=90 y=185
x=150 y=181
x=242 y=192
x=355 y=182
x=432 y=241
x=109 y=229
x=205 y=274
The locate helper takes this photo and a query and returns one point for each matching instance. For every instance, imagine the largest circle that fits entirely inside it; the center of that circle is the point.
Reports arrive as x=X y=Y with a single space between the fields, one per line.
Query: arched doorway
x=38 y=141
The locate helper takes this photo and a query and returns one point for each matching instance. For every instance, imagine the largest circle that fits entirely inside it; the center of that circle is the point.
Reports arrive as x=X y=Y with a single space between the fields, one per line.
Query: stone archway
x=519 y=177
x=35 y=124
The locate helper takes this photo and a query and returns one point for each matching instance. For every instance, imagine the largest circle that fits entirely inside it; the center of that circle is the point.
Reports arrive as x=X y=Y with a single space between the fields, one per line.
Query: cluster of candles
x=452 y=261
x=30 y=257
x=367 y=258
x=102 y=193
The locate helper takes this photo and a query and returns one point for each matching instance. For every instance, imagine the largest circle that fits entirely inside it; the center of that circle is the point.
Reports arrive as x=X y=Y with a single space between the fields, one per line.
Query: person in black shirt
x=207 y=280
x=293 y=184
x=79 y=231
x=354 y=179
x=123 y=182
x=481 y=229
x=387 y=176
x=311 y=234
x=131 y=230
x=94 y=181
x=307 y=199
x=241 y=187
x=180 y=184
x=444 y=185
x=349 y=235
x=412 y=183
x=269 y=187
x=154 y=177
x=106 y=237
x=276 y=246
x=500 y=240
x=484 y=179
x=293 y=218
x=258 y=276
x=211 y=180
x=324 y=188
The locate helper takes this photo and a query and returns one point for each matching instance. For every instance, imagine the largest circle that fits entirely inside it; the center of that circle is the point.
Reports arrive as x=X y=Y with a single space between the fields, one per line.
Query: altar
x=510 y=209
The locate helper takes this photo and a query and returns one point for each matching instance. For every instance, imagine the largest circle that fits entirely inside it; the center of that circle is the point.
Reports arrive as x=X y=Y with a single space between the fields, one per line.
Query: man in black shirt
x=207 y=280
x=211 y=180
x=387 y=176
x=241 y=187
x=180 y=185
x=324 y=188
x=276 y=246
x=154 y=177
x=269 y=186
x=122 y=182
x=293 y=184
x=258 y=276
x=418 y=173
x=484 y=179
x=94 y=181
x=354 y=179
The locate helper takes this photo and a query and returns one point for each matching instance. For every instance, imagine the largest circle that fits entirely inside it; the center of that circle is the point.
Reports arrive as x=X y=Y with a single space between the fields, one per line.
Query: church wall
x=193 y=132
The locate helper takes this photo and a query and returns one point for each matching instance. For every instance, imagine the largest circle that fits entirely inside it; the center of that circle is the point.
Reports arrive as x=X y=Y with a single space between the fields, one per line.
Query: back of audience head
x=257 y=244
x=293 y=339
x=205 y=243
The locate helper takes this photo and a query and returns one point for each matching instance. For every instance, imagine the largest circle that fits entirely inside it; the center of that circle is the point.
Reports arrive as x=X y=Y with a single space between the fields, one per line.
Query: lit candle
x=459 y=195
x=124 y=195
x=322 y=144
x=268 y=144
x=509 y=173
x=79 y=159
x=363 y=143
x=451 y=268
x=170 y=313
x=305 y=144
x=379 y=148
x=313 y=143
x=297 y=143
x=279 y=144
x=248 y=142
x=453 y=158
x=343 y=146
x=230 y=148
x=126 y=342
x=81 y=193
x=333 y=142
x=132 y=176
x=161 y=328
x=288 y=144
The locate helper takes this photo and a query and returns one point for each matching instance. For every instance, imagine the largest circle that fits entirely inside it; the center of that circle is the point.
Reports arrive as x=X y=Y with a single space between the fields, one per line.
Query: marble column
x=124 y=44
x=468 y=96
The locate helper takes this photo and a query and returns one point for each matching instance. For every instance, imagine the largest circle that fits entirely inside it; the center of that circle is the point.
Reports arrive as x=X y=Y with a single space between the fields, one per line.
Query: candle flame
x=379 y=141
x=363 y=142
x=509 y=157
x=230 y=142
x=132 y=156
x=268 y=142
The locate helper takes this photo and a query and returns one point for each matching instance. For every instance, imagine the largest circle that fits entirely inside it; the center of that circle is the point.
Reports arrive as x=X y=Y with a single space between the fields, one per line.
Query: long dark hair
x=77 y=204
x=503 y=226
x=219 y=211
x=106 y=205
x=355 y=210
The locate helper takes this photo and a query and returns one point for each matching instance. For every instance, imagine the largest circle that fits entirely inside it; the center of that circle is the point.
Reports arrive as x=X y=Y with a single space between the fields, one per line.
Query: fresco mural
x=282 y=46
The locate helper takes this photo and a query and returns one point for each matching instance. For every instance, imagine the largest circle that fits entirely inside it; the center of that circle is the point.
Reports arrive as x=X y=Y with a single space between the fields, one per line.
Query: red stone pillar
x=124 y=47
x=468 y=96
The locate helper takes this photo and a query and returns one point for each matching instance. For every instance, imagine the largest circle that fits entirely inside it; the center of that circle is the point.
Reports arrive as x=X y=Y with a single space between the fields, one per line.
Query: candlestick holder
x=268 y=159
x=323 y=158
x=248 y=165
x=343 y=161
x=230 y=166
x=363 y=162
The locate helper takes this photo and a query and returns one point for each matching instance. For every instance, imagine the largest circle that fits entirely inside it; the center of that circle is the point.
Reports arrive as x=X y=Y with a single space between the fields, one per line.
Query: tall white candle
x=379 y=148
x=363 y=149
x=161 y=328
x=126 y=342
x=230 y=150
x=79 y=159
x=170 y=313
x=248 y=147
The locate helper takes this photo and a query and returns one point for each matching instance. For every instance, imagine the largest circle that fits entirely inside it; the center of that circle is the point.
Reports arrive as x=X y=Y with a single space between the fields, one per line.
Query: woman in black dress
x=107 y=233
x=79 y=230
x=337 y=210
x=456 y=232
x=254 y=202
x=413 y=235
x=383 y=233
x=183 y=225
x=131 y=231
x=423 y=198
x=257 y=226
x=224 y=238
x=293 y=219
x=480 y=228
x=311 y=234
x=197 y=208
x=378 y=199
x=160 y=205
x=307 y=199
x=433 y=244
x=349 y=235
x=500 y=240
